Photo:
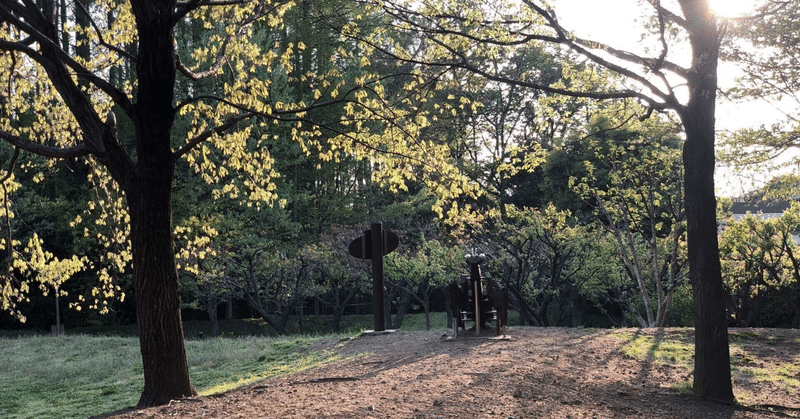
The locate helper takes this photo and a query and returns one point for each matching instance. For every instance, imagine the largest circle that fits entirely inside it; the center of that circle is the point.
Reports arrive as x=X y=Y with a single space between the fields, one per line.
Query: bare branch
x=79 y=150
x=218 y=61
x=658 y=99
x=580 y=46
x=186 y=7
x=662 y=11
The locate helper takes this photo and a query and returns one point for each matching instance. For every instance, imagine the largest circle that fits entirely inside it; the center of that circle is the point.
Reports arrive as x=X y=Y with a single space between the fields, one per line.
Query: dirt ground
x=527 y=373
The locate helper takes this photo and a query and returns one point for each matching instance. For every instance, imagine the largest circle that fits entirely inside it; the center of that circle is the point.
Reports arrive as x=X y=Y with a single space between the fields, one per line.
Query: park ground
x=525 y=373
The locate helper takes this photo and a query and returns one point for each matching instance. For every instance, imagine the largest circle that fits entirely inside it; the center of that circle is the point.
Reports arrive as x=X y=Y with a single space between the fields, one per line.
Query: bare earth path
x=529 y=373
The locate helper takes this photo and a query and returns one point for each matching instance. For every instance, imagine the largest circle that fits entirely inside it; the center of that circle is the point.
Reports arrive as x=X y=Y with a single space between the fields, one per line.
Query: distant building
x=764 y=209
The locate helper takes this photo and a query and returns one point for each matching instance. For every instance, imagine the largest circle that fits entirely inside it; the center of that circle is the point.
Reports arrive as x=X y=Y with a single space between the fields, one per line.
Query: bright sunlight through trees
x=732 y=8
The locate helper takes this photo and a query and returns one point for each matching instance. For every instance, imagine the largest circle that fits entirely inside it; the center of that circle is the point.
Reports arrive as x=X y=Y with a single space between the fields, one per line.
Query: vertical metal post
x=474 y=262
x=477 y=295
x=376 y=232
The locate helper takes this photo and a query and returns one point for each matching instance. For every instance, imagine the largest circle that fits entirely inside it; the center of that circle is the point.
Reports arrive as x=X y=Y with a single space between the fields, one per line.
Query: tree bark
x=712 y=374
x=166 y=370
x=149 y=194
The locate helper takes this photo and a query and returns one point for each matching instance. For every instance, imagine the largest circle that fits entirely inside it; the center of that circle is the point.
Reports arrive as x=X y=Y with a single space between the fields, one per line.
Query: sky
x=618 y=23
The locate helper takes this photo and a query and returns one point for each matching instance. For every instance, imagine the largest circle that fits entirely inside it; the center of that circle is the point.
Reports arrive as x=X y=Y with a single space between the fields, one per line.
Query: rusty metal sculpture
x=475 y=299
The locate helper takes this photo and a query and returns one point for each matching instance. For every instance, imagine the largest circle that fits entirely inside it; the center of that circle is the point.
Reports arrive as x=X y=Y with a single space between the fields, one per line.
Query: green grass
x=99 y=369
x=674 y=348
x=77 y=376
x=72 y=376
x=218 y=365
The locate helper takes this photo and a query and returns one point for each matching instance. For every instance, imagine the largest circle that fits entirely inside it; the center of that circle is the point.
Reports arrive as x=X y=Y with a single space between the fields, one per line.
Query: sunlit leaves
x=633 y=181
x=760 y=254
x=196 y=244
x=431 y=264
x=41 y=267
x=765 y=50
x=249 y=82
x=49 y=271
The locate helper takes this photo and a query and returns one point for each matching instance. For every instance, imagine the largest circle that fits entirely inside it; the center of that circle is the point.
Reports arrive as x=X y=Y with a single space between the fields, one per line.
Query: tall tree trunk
x=300 y=315
x=149 y=193
x=712 y=373
x=229 y=307
x=448 y=313
x=402 y=308
x=166 y=370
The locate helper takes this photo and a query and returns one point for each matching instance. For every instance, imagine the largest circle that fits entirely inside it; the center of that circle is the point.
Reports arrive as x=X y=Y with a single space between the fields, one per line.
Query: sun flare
x=732 y=8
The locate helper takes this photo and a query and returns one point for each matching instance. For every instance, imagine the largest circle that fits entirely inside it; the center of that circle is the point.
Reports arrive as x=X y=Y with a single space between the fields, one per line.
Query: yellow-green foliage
x=41 y=267
x=225 y=137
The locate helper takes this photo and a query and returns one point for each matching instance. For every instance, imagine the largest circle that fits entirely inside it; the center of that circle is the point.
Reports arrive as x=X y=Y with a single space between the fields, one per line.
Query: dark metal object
x=361 y=247
x=476 y=300
x=374 y=244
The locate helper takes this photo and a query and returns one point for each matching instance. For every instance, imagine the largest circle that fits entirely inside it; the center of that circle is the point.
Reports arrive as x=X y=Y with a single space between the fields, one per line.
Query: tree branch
x=658 y=99
x=79 y=150
x=218 y=130
x=220 y=59
x=662 y=11
x=184 y=8
x=51 y=53
x=10 y=238
x=580 y=46
x=102 y=41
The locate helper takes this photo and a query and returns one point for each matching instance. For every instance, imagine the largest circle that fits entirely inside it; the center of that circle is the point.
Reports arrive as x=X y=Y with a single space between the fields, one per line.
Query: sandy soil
x=527 y=373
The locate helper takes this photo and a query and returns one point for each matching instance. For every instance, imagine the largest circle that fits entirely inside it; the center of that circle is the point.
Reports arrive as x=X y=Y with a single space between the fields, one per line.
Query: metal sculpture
x=475 y=299
x=374 y=244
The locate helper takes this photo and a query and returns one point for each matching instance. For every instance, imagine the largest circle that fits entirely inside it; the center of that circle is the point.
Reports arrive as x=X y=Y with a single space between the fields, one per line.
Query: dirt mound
x=528 y=373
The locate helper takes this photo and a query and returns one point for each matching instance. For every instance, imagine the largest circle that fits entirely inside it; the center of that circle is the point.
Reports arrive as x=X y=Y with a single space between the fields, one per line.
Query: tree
x=420 y=271
x=639 y=201
x=272 y=283
x=67 y=98
x=764 y=47
x=760 y=256
x=542 y=256
x=339 y=277
x=49 y=271
x=507 y=133
x=466 y=37
x=204 y=270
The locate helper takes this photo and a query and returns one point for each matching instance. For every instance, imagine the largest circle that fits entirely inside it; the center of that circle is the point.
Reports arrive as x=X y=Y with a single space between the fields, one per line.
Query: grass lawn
x=99 y=370
x=77 y=376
